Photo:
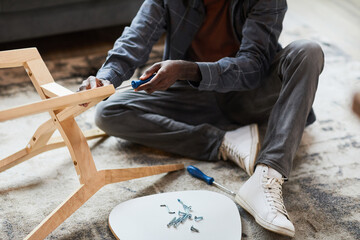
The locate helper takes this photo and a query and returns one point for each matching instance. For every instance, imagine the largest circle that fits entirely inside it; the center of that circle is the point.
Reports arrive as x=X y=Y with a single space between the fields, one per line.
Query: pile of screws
x=183 y=216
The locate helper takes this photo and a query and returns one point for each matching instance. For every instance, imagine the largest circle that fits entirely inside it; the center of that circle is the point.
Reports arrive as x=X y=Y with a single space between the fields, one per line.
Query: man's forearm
x=190 y=71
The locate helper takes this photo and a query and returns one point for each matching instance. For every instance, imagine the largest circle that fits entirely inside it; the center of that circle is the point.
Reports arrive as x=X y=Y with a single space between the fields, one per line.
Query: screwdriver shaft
x=224 y=188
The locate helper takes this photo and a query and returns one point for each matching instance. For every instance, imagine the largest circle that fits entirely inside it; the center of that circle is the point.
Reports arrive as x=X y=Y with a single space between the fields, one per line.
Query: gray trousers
x=192 y=123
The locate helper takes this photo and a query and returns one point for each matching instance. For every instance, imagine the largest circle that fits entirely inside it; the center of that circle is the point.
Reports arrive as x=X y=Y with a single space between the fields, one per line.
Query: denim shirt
x=257 y=25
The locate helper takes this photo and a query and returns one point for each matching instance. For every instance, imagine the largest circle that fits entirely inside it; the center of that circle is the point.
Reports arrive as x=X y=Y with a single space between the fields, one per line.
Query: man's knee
x=309 y=51
x=108 y=116
x=100 y=116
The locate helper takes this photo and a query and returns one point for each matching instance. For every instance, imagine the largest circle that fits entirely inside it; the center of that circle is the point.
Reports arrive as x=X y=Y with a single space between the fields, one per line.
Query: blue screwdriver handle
x=195 y=172
x=136 y=83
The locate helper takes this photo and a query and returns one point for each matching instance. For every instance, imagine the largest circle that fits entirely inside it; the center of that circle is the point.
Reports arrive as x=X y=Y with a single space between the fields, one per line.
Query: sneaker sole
x=262 y=222
x=255 y=147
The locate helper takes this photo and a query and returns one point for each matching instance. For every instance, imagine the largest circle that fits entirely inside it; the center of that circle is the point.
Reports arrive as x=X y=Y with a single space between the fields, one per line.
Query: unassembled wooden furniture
x=63 y=106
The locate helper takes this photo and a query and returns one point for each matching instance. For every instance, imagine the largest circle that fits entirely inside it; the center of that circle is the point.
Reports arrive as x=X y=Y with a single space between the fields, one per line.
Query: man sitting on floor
x=223 y=69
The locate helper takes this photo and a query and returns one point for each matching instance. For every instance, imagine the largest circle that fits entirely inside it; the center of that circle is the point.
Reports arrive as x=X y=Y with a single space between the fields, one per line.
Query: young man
x=223 y=67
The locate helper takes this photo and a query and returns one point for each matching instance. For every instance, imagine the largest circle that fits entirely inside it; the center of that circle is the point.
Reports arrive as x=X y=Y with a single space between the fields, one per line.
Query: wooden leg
x=119 y=175
x=66 y=209
x=35 y=146
x=62 y=106
x=14 y=159
x=76 y=110
x=55 y=142
x=89 y=134
x=94 y=133
x=86 y=191
x=42 y=135
x=22 y=156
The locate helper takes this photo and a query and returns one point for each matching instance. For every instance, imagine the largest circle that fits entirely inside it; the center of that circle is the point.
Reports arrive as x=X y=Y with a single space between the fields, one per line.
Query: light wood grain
x=65 y=210
x=78 y=148
x=54 y=90
x=76 y=110
x=40 y=147
x=119 y=175
x=57 y=103
x=42 y=135
x=17 y=58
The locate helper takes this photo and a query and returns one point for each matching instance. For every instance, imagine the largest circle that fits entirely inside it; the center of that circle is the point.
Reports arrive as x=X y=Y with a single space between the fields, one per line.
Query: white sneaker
x=241 y=146
x=261 y=196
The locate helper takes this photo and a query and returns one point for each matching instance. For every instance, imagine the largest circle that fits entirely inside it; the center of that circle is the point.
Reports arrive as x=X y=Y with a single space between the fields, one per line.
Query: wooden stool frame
x=63 y=106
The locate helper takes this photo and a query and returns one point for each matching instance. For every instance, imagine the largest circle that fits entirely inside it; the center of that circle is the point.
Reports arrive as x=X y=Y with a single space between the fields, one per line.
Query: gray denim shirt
x=257 y=25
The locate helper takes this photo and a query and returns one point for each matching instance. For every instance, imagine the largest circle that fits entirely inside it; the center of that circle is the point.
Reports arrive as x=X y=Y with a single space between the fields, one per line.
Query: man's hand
x=91 y=83
x=167 y=72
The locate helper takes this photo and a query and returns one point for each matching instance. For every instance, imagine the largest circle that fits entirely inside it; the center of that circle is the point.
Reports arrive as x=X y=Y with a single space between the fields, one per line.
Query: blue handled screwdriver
x=136 y=83
x=195 y=172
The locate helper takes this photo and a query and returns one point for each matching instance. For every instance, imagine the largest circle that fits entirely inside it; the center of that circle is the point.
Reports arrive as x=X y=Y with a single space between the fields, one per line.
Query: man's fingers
x=83 y=85
x=162 y=87
x=151 y=84
x=99 y=83
x=82 y=88
x=150 y=71
x=93 y=82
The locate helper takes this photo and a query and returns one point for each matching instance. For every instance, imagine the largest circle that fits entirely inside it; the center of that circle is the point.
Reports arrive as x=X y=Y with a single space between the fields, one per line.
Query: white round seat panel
x=143 y=218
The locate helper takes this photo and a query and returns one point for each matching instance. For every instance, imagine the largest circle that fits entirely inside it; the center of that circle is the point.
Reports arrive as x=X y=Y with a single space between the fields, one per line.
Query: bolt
x=187 y=209
x=171 y=222
x=198 y=219
x=181 y=202
x=164 y=205
x=194 y=229
x=177 y=222
x=183 y=219
x=181 y=213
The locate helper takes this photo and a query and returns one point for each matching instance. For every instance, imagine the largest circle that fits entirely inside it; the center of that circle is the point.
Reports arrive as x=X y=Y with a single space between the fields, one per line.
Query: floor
x=333 y=20
x=322 y=194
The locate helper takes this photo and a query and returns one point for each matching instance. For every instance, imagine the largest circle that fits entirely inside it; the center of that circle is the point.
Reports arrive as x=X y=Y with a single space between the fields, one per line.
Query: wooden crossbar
x=17 y=58
x=56 y=103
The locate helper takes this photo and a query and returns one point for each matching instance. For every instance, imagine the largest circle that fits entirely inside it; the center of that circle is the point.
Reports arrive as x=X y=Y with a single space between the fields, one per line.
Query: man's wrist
x=189 y=71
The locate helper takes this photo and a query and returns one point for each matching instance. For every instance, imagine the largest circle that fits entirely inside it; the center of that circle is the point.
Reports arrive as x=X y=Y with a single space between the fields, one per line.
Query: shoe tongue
x=273 y=173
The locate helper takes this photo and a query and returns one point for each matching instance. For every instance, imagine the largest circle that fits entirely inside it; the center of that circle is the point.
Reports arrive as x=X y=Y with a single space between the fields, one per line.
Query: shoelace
x=274 y=194
x=228 y=150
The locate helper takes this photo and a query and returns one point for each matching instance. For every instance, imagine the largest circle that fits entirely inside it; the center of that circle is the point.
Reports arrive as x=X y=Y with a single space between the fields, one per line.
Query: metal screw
x=177 y=222
x=184 y=218
x=194 y=229
x=186 y=208
x=171 y=222
x=181 y=213
x=181 y=202
x=164 y=205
